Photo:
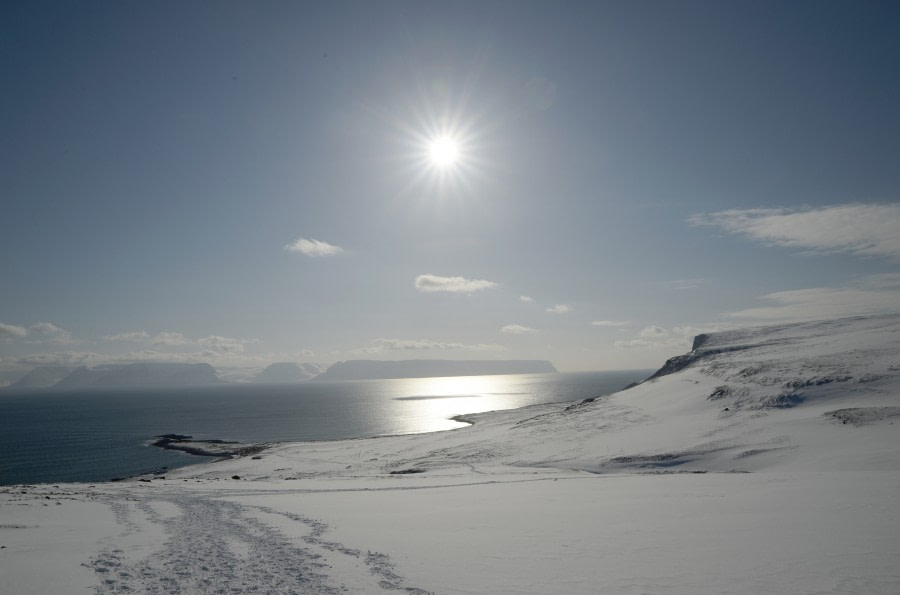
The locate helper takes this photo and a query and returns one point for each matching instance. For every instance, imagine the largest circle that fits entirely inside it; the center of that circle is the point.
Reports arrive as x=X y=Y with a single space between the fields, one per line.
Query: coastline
x=97 y=437
x=666 y=487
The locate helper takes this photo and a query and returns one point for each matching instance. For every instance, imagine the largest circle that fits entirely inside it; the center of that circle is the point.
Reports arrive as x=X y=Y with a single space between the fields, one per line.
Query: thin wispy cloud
x=436 y=283
x=40 y=332
x=170 y=338
x=12 y=331
x=610 y=323
x=63 y=358
x=311 y=247
x=221 y=344
x=50 y=333
x=559 y=309
x=517 y=329
x=653 y=331
x=526 y=299
x=218 y=353
x=863 y=229
x=880 y=281
x=678 y=338
x=213 y=343
x=129 y=336
x=383 y=344
x=823 y=302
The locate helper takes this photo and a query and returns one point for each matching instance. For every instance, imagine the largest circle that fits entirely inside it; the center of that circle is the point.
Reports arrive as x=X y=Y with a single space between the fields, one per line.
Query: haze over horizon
x=590 y=183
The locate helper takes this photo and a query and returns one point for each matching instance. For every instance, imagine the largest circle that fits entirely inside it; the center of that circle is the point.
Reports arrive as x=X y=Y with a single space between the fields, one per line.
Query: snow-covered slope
x=767 y=460
x=821 y=395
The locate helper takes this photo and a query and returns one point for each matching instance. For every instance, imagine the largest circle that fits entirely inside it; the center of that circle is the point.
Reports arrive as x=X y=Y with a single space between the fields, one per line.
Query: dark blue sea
x=50 y=436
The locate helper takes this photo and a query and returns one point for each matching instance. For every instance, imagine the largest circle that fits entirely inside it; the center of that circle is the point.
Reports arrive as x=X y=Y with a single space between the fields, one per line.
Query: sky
x=590 y=183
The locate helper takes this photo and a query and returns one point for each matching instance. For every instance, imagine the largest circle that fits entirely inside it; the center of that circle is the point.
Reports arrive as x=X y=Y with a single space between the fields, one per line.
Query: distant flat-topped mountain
x=287 y=373
x=42 y=377
x=140 y=375
x=426 y=368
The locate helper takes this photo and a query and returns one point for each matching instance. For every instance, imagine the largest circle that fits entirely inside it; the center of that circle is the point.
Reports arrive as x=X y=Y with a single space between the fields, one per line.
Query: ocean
x=49 y=436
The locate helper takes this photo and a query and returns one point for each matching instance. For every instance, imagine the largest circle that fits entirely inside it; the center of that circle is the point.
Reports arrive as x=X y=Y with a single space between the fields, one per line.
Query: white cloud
x=215 y=355
x=526 y=299
x=653 y=332
x=219 y=344
x=12 y=331
x=859 y=229
x=130 y=336
x=434 y=283
x=382 y=344
x=313 y=247
x=51 y=333
x=517 y=329
x=559 y=309
x=611 y=323
x=63 y=358
x=46 y=328
x=40 y=332
x=823 y=302
x=213 y=343
x=169 y=338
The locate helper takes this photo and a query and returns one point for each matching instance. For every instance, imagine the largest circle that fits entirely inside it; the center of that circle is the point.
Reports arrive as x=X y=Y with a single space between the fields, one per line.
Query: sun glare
x=443 y=151
x=442 y=156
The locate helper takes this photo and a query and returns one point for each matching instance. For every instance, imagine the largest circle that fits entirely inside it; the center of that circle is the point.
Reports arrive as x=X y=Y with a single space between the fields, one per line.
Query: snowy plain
x=767 y=460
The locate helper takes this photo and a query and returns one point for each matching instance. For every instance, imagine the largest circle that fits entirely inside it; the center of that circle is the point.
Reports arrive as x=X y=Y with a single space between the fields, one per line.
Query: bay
x=49 y=436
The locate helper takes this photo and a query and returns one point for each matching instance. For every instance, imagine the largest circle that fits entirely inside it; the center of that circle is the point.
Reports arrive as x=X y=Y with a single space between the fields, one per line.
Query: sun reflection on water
x=427 y=404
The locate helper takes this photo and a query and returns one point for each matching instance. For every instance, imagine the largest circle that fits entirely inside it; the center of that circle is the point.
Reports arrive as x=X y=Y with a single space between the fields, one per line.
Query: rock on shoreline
x=207 y=448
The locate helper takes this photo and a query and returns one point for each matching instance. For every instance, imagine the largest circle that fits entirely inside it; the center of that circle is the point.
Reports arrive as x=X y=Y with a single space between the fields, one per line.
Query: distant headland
x=426 y=368
x=179 y=375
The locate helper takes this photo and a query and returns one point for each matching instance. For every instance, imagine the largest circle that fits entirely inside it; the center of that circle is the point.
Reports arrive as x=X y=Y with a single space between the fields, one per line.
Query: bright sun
x=443 y=151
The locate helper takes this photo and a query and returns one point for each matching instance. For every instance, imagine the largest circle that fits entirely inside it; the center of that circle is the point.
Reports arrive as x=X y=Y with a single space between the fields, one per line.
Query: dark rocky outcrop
x=207 y=448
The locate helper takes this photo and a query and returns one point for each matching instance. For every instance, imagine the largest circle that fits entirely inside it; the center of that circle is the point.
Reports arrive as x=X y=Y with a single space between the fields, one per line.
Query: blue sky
x=628 y=174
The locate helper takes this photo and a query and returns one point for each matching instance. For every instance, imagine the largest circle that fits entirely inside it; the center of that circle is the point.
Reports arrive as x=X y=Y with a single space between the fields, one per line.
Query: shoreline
x=100 y=450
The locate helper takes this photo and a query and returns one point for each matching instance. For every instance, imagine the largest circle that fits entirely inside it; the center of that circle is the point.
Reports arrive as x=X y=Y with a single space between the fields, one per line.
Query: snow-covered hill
x=766 y=460
x=820 y=395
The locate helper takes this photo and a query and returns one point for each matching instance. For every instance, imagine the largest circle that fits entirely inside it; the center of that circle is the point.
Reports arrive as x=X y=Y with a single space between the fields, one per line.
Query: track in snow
x=216 y=546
